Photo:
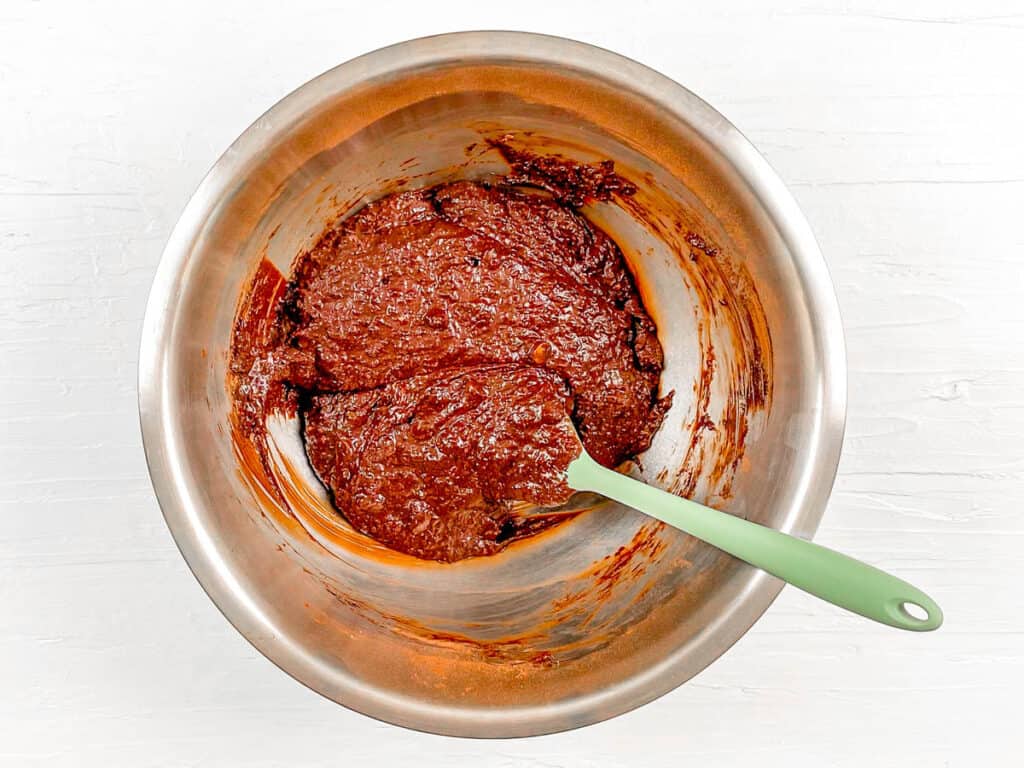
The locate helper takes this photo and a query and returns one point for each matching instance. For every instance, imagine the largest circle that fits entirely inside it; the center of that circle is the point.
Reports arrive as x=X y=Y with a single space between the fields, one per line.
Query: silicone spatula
x=822 y=572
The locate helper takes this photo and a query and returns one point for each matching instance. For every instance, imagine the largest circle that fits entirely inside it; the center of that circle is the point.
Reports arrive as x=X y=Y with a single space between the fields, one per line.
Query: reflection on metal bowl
x=607 y=610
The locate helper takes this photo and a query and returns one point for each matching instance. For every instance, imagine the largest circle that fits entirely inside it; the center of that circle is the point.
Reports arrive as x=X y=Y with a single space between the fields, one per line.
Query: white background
x=900 y=129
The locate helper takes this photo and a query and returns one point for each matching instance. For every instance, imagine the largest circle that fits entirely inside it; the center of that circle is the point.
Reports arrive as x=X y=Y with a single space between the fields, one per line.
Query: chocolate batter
x=435 y=342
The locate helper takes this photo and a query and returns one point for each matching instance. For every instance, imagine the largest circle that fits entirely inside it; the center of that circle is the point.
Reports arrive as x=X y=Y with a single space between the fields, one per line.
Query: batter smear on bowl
x=434 y=343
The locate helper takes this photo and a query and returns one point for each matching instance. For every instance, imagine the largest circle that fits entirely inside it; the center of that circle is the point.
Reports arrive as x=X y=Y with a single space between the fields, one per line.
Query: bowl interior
x=600 y=613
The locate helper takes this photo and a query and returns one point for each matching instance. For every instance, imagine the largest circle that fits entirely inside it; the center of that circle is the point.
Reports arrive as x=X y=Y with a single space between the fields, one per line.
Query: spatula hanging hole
x=914 y=611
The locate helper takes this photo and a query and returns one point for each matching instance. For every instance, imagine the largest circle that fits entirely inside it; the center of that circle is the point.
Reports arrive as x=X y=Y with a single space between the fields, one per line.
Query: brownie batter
x=427 y=463
x=436 y=344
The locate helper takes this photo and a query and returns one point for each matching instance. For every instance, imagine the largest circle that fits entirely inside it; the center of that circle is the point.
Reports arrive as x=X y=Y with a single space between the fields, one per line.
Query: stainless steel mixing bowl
x=604 y=612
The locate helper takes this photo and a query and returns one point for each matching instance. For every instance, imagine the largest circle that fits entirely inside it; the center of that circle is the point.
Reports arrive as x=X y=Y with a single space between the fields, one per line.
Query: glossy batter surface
x=438 y=340
x=428 y=464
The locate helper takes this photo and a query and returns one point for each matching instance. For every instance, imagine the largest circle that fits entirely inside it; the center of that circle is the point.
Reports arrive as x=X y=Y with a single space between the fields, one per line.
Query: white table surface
x=899 y=127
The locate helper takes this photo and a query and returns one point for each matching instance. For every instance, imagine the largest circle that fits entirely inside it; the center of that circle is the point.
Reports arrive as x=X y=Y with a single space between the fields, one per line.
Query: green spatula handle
x=822 y=572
